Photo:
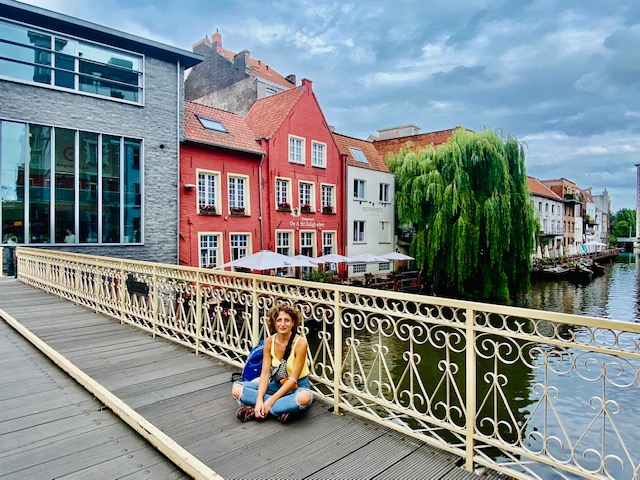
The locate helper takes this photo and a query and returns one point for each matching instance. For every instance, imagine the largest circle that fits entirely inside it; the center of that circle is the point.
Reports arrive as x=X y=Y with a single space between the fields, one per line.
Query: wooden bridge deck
x=52 y=428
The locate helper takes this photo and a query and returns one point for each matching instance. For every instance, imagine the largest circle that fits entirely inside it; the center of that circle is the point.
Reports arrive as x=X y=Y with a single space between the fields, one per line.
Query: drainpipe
x=178 y=132
x=265 y=145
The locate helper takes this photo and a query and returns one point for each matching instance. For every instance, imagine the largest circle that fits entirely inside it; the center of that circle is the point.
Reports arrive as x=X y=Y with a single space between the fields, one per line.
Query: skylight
x=212 y=124
x=359 y=155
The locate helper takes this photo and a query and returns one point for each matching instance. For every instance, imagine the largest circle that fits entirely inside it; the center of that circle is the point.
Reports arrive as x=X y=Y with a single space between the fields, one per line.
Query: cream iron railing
x=529 y=393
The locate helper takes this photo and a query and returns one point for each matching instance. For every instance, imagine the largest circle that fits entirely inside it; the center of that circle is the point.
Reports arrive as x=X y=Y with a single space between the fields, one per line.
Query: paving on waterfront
x=186 y=396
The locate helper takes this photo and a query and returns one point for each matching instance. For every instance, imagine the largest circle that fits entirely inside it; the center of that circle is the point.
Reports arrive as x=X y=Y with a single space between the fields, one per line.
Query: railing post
x=471 y=388
x=121 y=286
x=154 y=299
x=255 y=317
x=198 y=312
x=337 y=350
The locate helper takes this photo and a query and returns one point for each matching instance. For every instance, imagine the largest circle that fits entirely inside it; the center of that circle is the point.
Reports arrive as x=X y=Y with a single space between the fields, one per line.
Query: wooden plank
x=185 y=399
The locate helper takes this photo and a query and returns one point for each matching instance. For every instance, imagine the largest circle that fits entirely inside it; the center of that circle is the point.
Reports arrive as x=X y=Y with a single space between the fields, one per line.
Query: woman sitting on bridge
x=282 y=389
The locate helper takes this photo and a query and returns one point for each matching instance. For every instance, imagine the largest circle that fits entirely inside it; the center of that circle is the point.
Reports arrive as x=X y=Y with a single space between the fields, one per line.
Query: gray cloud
x=561 y=76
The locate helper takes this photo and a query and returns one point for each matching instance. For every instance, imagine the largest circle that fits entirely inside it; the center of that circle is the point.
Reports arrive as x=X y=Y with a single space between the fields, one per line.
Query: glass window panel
x=65 y=154
x=110 y=189
x=13 y=156
x=209 y=250
x=39 y=184
x=28 y=73
x=88 y=187
x=110 y=57
x=64 y=59
x=132 y=191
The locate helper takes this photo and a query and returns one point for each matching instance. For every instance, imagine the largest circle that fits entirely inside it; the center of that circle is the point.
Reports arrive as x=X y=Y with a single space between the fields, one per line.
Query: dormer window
x=214 y=125
x=359 y=155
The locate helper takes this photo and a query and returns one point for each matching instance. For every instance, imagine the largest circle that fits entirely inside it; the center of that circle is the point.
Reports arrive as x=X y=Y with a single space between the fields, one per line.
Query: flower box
x=208 y=210
x=327 y=209
x=284 y=207
x=305 y=208
x=237 y=211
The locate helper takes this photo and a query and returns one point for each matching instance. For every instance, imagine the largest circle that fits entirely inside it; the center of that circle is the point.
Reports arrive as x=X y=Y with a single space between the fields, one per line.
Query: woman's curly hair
x=293 y=312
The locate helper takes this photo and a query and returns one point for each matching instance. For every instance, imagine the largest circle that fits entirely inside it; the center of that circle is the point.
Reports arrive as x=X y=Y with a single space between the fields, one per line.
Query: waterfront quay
x=479 y=382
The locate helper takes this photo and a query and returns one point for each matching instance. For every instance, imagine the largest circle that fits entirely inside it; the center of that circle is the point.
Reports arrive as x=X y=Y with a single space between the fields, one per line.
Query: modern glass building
x=90 y=127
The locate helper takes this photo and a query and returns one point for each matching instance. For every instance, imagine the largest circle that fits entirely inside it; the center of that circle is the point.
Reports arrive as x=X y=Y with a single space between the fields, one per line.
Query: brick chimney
x=308 y=85
x=241 y=60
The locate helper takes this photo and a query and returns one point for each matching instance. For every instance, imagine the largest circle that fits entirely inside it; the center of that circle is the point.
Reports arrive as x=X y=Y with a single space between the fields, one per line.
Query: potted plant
x=284 y=207
x=327 y=209
x=305 y=208
x=237 y=210
x=208 y=210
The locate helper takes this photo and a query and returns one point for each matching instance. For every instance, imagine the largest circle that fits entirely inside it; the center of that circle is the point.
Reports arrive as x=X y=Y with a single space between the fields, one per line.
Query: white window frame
x=306 y=194
x=296 y=150
x=238 y=236
x=318 y=154
x=283 y=196
x=359 y=231
x=384 y=193
x=205 y=190
x=280 y=248
x=359 y=187
x=217 y=250
x=359 y=268
x=328 y=200
x=236 y=199
x=328 y=242
x=309 y=243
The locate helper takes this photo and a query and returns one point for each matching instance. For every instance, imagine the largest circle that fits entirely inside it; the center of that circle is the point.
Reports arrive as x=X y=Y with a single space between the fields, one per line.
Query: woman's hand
x=262 y=408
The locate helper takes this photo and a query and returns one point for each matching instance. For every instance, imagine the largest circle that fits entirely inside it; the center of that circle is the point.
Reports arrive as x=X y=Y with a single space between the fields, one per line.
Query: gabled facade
x=369 y=204
x=220 y=204
x=230 y=81
x=603 y=215
x=572 y=208
x=548 y=209
x=302 y=174
x=90 y=128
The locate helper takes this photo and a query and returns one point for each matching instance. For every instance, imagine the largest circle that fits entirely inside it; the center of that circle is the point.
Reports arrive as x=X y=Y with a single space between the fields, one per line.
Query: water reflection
x=613 y=295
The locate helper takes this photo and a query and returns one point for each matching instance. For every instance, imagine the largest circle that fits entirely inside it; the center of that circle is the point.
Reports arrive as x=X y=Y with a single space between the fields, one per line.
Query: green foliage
x=469 y=202
x=323 y=276
x=621 y=221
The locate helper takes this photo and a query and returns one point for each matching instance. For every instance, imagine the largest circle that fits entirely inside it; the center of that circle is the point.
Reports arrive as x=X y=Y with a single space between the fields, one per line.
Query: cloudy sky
x=562 y=76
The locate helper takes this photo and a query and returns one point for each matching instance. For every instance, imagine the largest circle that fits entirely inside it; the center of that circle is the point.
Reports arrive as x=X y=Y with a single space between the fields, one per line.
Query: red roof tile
x=393 y=145
x=238 y=137
x=376 y=160
x=538 y=188
x=267 y=114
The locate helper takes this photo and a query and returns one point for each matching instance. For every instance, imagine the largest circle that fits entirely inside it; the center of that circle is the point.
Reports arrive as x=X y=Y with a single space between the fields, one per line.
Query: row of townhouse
x=569 y=215
x=106 y=149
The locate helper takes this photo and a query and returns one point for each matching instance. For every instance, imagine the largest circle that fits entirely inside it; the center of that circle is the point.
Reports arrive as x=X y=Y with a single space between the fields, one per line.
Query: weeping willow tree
x=470 y=205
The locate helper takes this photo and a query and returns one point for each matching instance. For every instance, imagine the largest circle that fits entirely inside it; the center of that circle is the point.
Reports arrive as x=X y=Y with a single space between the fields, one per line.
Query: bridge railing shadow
x=529 y=393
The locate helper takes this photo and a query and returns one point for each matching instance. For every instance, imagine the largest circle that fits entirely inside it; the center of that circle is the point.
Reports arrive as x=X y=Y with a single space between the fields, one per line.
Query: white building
x=548 y=208
x=370 y=205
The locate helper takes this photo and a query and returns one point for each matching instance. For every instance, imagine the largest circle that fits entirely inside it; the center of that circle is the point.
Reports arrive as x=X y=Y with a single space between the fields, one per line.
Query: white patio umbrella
x=396 y=256
x=545 y=252
x=332 y=258
x=367 y=258
x=539 y=253
x=307 y=259
x=266 y=260
x=561 y=251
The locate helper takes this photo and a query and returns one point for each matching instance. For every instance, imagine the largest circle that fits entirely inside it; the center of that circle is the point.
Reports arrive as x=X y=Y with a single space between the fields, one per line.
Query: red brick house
x=303 y=174
x=220 y=204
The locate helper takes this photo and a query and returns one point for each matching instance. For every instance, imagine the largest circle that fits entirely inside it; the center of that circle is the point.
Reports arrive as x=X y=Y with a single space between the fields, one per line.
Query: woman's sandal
x=284 y=417
x=244 y=414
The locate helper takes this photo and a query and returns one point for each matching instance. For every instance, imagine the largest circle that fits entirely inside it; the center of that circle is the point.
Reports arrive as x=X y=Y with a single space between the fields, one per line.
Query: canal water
x=614 y=295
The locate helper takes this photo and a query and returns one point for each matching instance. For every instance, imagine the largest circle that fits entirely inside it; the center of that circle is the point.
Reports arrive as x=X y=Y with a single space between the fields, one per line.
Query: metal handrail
x=485 y=382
